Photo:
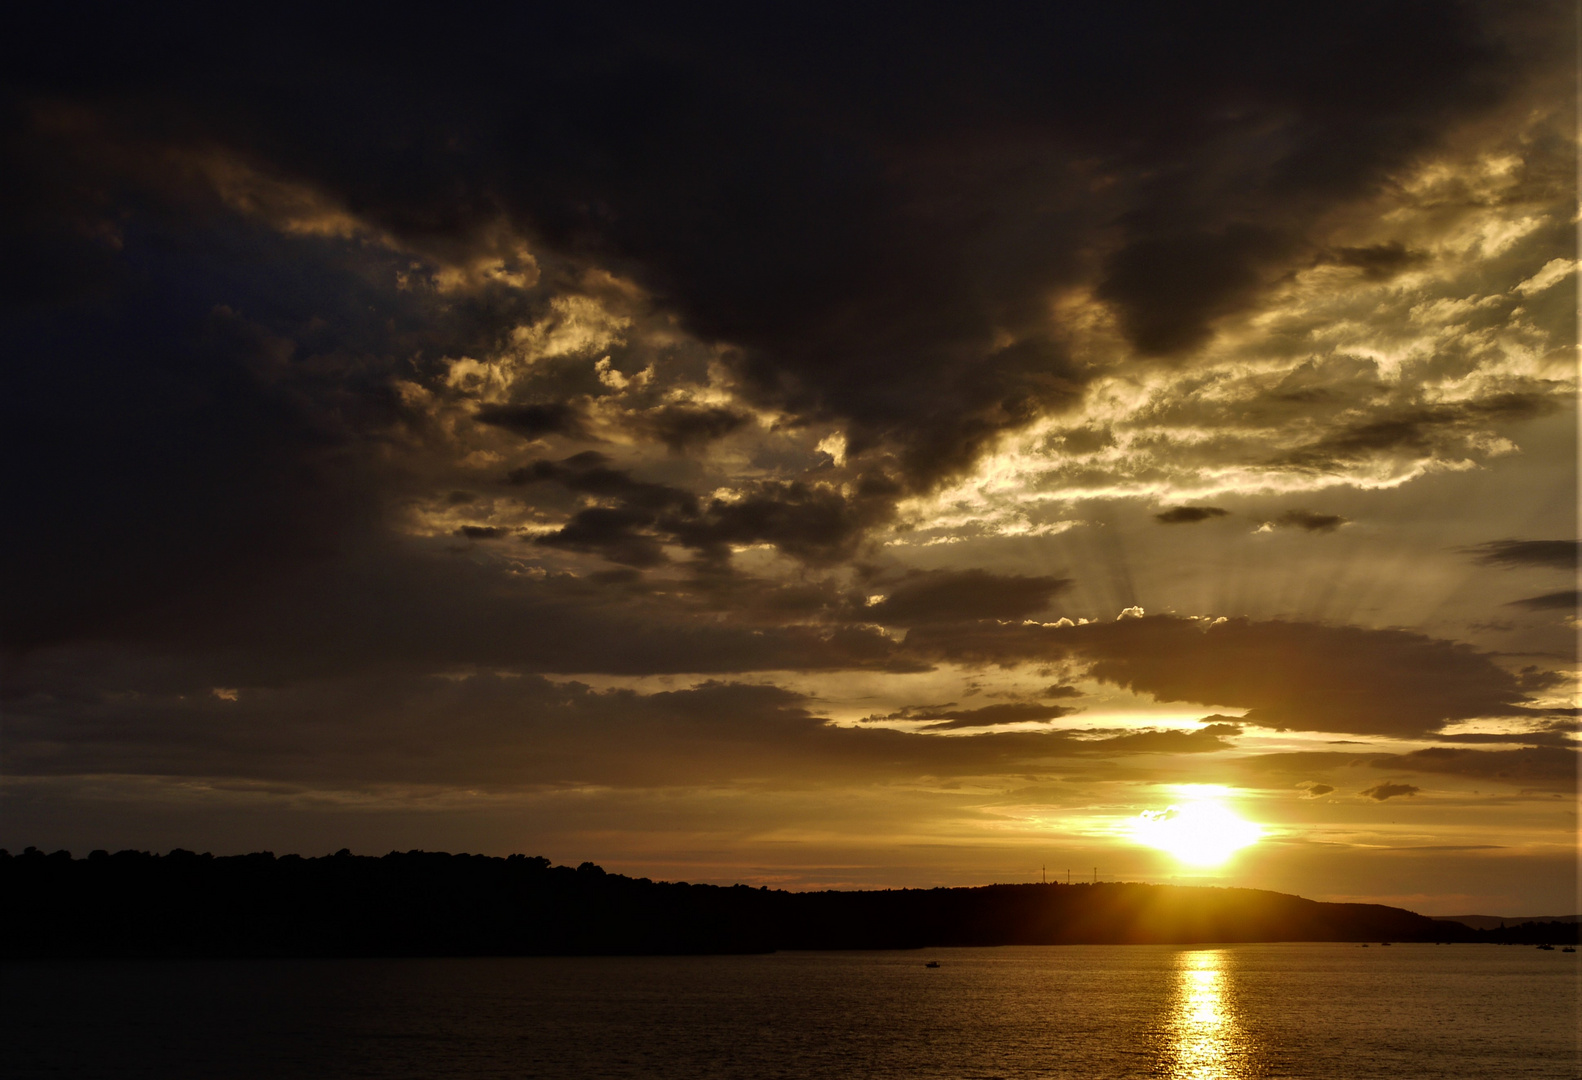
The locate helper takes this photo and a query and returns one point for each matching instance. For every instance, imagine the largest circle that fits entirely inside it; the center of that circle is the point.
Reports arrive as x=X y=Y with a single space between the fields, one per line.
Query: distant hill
x=434 y=904
x=1494 y=922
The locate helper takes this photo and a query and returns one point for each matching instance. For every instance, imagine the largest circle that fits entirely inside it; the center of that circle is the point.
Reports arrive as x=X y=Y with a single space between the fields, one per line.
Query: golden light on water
x=1206 y=1036
x=1201 y=833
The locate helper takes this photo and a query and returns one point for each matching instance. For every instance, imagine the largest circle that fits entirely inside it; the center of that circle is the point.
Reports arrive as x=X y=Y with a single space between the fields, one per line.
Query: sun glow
x=1200 y=833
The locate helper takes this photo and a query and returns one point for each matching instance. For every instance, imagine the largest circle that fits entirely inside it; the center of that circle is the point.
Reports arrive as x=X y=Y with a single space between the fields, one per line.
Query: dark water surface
x=1292 y=1010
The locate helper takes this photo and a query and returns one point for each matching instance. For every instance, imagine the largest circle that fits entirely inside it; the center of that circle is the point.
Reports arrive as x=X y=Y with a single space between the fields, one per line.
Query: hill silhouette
x=434 y=904
x=1494 y=922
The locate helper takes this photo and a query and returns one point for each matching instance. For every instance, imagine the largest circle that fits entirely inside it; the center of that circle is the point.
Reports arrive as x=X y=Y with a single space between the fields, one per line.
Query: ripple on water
x=1294 y=1010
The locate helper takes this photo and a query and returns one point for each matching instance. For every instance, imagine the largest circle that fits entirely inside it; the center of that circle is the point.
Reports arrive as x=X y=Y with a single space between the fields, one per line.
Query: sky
x=805 y=445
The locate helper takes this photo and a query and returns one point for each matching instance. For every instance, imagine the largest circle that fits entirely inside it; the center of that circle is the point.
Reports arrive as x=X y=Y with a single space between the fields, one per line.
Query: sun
x=1199 y=833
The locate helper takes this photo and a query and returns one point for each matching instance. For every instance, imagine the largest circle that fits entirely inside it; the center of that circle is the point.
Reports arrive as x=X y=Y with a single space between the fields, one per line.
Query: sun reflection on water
x=1207 y=1040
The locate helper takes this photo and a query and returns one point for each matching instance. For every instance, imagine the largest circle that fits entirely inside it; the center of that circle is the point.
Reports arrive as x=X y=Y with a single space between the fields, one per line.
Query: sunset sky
x=799 y=445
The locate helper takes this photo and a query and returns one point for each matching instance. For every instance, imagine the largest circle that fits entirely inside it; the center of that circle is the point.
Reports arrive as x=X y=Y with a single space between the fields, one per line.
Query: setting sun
x=1199 y=833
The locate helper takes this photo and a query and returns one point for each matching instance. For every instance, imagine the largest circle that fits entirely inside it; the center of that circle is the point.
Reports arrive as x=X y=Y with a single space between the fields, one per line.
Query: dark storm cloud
x=393 y=612
x=482 y=532
x=1170 y=288
x=624 y=533
x=862 y=213
x=761 y=601
x=1189 y=515
x=613 y=533
x=869 y=236
x=1379 y=262
x=1307 y=676
x=169 y=426
x=1555 y=601
x=1288 y=675
x=1559 y=554
x=1533 y=678
x=816 y=523
x=947 y=596
x=535 y=421
x=1381 y=792
x=1313 y=790
x=683 y=428
x=493 y=731
x=513 y=731
x=589 y=473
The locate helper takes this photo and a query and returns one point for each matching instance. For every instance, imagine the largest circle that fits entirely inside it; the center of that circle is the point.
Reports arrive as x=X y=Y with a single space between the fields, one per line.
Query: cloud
x=1556 y=601
x=309 y=279
x=1553 y=272
x=274 y=344
x=1311 y=789
x=1310 y=423
x=1551 y=768
x=219 y=470
x=1187 y=515
x=534 y=421
x=1206 y=740
x=1381 y=792
x=1379 y=262
x=1559 y=554
x=948 y=596
x=1288 y=675
x=498 y=732
x=858 y=263
x=624 y=533
x=1556 y=734
x=1308 y=676
x=820 y=524
x=613 y=533
x=1531 y=766
x=1175 y=741
x=1421 y=430
x=394 y=612
x=1306 y=520
x=817 y=523
x=682 y=428
x=510 y=732
x=589 y=473
x=944 y=718
x=1169 y=288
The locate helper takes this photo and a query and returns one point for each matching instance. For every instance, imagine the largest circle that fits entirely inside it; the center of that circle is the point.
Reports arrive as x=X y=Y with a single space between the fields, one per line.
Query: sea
x=1325 y=1011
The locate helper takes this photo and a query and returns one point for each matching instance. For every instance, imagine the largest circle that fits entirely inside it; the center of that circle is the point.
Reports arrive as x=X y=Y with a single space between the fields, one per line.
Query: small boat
x=932 y=963
x=1386 y=944
x=1569 y=948
x=1547 y=948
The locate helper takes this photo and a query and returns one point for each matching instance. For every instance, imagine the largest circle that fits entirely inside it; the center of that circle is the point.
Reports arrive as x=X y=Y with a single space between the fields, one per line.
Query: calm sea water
x=1295 y=1010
